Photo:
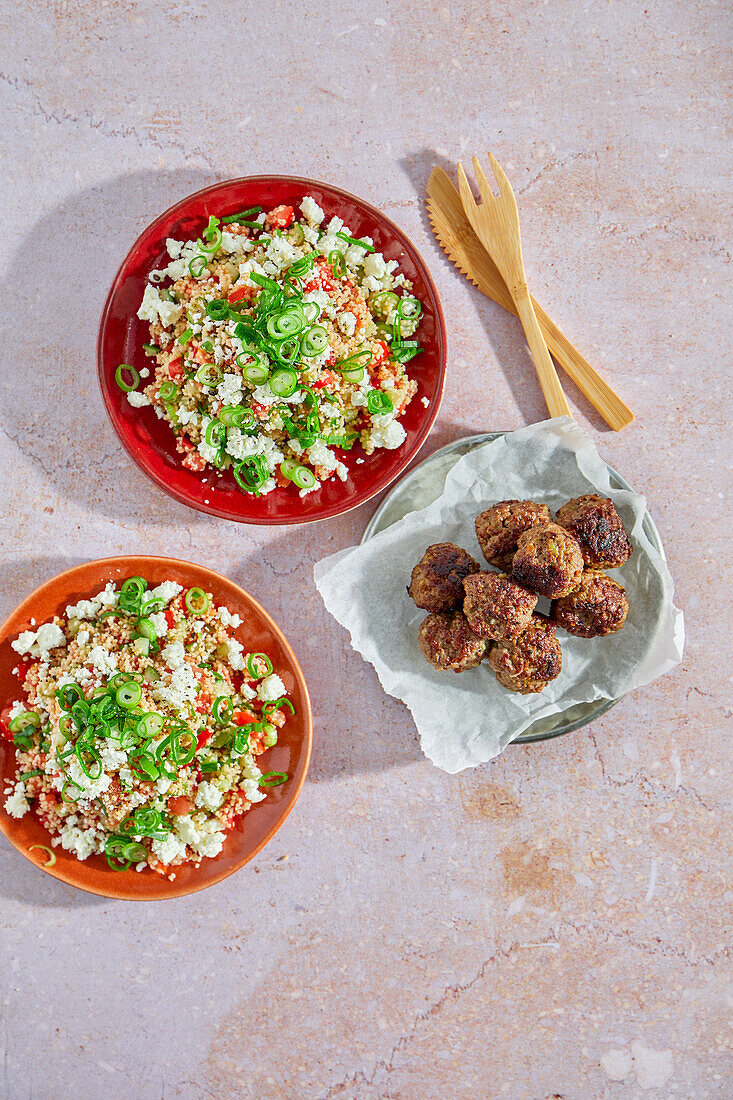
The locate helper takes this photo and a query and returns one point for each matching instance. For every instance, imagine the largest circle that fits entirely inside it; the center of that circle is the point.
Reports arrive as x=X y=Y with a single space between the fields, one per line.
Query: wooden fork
x=496 y=223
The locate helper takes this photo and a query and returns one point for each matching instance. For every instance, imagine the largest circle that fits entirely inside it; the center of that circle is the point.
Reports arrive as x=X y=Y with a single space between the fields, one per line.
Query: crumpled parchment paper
x=467 y=718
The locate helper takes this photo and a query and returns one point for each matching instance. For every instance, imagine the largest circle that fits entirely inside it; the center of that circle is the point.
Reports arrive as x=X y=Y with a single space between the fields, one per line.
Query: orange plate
x=250 y=832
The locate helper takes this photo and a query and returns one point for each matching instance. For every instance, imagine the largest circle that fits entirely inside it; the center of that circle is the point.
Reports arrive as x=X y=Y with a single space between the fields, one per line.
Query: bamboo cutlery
x=483 y=240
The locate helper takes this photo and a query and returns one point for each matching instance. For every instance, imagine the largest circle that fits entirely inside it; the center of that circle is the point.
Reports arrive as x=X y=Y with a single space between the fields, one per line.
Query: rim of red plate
x=388 y=465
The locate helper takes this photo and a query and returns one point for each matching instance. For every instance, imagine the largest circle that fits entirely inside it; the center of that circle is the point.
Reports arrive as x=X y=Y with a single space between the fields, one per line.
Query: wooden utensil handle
x=557 y=404
x=614 y=411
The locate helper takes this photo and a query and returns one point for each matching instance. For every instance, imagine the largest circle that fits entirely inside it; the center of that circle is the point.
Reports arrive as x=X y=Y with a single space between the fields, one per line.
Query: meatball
x=528 y=663
x=496 y=606
x=437 y=579
x=548 y=561
x=598 y=607
x=596 y=525
x=448 y=642
x=499 y=527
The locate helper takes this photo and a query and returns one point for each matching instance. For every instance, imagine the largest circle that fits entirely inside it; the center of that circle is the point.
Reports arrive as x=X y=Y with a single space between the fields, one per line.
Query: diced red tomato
x=203 y=703
x=169 y=618
x=203 y=739
x=180 y=805
x=23 y=668
x=281 y=480
x=201 y=356
x=175 y=368
x=326 y=274
x=194 y=461
x=5 y=724
x=243 y=717
x=260 y=411
x=385 y=352
x=328 y=378
x=281 y=217
x=241 y=292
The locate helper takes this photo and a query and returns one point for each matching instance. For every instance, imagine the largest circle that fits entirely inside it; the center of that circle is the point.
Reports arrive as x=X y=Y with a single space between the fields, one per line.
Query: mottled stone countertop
x=550 y=925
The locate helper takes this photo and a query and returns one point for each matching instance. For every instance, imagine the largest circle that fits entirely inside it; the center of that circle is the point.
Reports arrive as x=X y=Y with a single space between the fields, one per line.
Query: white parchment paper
x=467 y=718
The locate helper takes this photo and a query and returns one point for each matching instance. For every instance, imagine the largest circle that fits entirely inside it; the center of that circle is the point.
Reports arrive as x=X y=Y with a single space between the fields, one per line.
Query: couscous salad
x=277 y=344
x=142 y=726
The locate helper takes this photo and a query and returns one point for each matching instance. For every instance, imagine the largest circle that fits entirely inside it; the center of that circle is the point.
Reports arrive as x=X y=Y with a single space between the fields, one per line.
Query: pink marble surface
x=553 y=925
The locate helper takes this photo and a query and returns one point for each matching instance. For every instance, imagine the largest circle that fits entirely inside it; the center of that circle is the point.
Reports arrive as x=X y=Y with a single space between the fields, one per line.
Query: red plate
x=150 y=442
x=250 y=832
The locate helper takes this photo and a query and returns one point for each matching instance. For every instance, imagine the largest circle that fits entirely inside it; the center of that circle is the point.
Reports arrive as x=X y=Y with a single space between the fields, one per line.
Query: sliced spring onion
x=241 y=215
x=120 y=377
x=145 y=629
x=337 y=263
x=355 y=240
x=353 y=373
x=218 y=309
x=215 y=434
x=236 y=416
x=303 y=477
x=43 y=848
x=222 y=710
x=209 y=375
x=27 y=718
x=284 y=382
x=383 y=302
x=405 y=350
x=345 y=441
x=149 y=725
x=197 y=266
x=31 y=774
x=251 y=473
x=379 y=402
x=252 y=668
x=167 y=390
x=197 y=601
x=208 y=765
x=281 y=326
x=129 y=694
x=314 y=341
x=277 y=704
x=151 y=349
x=185 y=337
x=273 y=779
x=256 y=373
x=287 y=467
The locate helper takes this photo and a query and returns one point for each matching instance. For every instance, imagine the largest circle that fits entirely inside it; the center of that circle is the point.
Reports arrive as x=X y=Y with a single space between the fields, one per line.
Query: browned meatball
x=596 y=525
x=496 y=606
x=448 y=642
x=499 y=527
x=437 y=579
x=598 y=607
x=548 y=561
x=528 y=663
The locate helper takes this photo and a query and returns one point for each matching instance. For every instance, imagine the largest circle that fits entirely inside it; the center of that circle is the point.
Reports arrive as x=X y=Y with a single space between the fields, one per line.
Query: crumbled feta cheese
x=209 y=797
x=87 y=609
x=167 y=591
x=17 y=709
x=425 y=401
x=320 y=455
x=252 y=790
x=17 y=805
x=310 y=489
x=50 y=636
x=82 y=842
x=205 y=837
x=174 y=655
x=163 y=785
x=311 y=211
x=342 y=471
x=153 y=307
x=271 y=687
x=375 y=265
x=228 y=619
x=24 y=641
x=232 y=243
x=390 y=436
x=102 y=662
x=137 y=399
x=112 y=759
x=83 y=637
x=235 y=651
x=160 y=624
x=169 y=848
x=188 y=416
x=174 y=247
x=347 y=323
x=229 y=389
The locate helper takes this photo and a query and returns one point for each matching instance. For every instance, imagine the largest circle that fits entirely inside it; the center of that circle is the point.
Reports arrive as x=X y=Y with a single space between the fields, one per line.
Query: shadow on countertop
x=503 y=330
x=56 y=287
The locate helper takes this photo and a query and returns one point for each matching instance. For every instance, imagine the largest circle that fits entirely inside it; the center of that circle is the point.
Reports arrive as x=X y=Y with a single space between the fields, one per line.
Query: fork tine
x=464 y=187
x=483 y=184
x=505 y=188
